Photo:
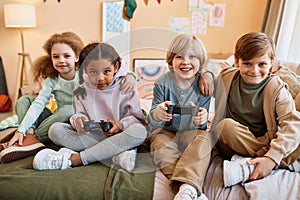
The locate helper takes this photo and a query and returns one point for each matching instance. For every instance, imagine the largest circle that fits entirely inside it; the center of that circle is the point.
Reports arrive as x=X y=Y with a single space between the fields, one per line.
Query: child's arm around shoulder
x=128 y=83
x=207 y=83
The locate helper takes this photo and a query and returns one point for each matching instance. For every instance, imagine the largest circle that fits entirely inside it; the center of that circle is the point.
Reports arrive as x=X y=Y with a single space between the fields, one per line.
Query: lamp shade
x=19 y=15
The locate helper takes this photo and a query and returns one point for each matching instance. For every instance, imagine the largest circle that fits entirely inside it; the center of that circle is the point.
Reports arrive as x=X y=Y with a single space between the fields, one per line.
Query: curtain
x=288 y=44
x=272 y=18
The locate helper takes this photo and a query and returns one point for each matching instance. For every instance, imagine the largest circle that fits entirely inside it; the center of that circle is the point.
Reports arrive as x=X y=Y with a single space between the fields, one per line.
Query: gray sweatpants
x=95 y=146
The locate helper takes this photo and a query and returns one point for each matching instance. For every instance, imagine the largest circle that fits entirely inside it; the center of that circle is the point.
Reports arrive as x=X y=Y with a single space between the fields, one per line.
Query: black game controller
x=185 y=110
x=92 y=125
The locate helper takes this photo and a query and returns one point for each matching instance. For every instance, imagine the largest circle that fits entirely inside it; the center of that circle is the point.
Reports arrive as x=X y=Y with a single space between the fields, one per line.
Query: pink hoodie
x=109 y=103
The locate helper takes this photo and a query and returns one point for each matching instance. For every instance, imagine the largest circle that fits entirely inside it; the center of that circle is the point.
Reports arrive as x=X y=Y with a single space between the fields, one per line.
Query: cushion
x=293 y=66
x=290 y=78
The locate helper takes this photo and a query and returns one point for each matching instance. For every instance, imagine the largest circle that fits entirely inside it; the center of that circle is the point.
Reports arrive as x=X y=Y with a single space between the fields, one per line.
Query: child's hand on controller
x=116 y=128
x=79 y=124
x=201 y=117
x=161 y=114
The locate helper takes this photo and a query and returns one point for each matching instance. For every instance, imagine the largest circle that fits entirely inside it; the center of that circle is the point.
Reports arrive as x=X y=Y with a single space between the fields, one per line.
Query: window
x=288 y=44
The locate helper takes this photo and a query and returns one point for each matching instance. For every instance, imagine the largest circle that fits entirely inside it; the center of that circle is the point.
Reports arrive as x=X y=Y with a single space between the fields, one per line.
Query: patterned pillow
x=290 y=78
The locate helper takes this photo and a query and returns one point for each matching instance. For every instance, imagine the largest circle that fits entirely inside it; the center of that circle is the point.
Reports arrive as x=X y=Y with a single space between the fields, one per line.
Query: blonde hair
x=180 y=45
x=43 y=66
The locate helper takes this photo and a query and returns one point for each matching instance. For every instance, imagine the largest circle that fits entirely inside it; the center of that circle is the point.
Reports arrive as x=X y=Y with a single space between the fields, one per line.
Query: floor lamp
x=18 y=15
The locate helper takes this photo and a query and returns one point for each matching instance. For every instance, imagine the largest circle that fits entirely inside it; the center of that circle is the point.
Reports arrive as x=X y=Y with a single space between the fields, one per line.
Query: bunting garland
x=57 y=1
x=128 y=9
x=146 y=2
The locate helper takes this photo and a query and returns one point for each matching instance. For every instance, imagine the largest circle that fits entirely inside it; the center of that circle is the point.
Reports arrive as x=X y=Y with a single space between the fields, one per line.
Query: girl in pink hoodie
x=97 y=98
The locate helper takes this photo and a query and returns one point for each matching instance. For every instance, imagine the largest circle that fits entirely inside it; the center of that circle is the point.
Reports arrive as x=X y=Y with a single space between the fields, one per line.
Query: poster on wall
x=200 y=5
x=179 y=24
x=116 y=30
x=217 y=15
x=199 y=23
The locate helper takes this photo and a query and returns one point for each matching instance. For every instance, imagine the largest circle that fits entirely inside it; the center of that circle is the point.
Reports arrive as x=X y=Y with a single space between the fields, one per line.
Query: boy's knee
x=225 y=127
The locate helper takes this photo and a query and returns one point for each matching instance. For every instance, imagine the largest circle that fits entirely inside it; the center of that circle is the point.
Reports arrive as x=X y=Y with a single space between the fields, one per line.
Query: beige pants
x=237 y=138
x=183 y=157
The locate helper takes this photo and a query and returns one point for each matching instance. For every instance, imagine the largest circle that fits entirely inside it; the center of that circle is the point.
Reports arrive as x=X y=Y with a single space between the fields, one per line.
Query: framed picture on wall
x=147 y=71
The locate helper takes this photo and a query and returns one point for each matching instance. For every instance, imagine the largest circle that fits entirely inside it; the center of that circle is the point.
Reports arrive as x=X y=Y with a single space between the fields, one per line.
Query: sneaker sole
x=16 y=153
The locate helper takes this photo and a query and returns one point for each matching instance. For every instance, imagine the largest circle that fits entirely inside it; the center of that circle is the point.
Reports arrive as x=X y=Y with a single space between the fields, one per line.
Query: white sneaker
x=126 y=160
x=240 y=159
x=186 y=192
x=48 y=159
x=236 y=171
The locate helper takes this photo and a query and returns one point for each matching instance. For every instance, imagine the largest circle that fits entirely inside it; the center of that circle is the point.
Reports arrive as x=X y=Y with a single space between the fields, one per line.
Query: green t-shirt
x=245 y=104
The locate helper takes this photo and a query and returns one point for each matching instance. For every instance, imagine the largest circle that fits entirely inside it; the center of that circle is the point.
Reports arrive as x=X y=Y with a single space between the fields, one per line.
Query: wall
x=240 y=17
x=85 y=19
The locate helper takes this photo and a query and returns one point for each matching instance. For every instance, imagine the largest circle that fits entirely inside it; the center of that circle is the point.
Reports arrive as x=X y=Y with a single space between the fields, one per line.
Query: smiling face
x=101 y=73
x=185 y=66
x=254 y=55
x=64 y=59
x=186 y=56
x=255 y=70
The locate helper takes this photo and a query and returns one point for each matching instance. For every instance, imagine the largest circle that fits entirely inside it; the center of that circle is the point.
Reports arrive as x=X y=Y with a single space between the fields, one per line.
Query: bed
x=18 y=180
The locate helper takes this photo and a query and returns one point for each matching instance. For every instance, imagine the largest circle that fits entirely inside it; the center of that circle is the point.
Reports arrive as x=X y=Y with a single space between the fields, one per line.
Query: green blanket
x=18 y=180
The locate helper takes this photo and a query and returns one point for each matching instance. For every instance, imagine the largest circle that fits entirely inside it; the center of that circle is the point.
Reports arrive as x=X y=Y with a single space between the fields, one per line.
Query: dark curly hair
x=95 y=51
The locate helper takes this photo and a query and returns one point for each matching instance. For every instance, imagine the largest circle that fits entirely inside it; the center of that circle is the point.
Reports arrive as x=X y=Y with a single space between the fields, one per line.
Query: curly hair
x=95 y=51
x=43 y=66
